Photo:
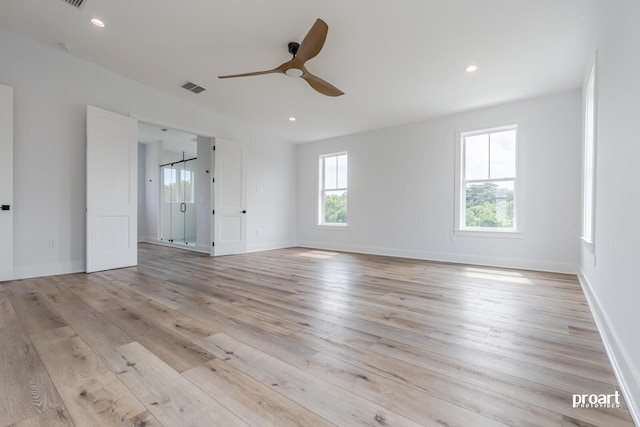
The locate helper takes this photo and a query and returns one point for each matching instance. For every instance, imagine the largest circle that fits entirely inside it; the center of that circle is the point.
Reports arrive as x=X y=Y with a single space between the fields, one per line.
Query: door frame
x=198 y=133
x=6 y=180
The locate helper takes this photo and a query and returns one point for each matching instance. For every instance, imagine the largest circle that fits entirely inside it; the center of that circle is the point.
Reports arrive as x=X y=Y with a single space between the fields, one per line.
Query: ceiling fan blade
x=320 y=85
x=280 y=69
x=313 y=42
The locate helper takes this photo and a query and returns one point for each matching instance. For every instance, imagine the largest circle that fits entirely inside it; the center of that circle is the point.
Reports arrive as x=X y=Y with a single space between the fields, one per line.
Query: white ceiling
x=172 y=139
x=397 y=61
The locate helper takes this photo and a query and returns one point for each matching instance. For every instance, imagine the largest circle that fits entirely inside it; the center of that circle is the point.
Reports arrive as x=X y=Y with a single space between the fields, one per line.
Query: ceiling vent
x=192 y=87
x=75 y=3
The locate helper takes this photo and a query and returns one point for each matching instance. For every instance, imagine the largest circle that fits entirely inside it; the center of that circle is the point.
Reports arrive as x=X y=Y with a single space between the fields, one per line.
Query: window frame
x=322 y=190
x=589 y=157
x=460 y=227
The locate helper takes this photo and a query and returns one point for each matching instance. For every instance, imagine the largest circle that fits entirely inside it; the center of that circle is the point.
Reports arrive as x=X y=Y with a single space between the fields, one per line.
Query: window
x=488 y=180
x=333 y=190
x=178 y=182
x=588 y=178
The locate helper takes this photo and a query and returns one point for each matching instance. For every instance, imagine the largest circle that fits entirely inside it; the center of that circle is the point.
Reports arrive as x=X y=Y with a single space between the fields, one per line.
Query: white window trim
x=334 y=227
x=591 y=78
x=490 y=232
x=459 y=211
x=320 y=208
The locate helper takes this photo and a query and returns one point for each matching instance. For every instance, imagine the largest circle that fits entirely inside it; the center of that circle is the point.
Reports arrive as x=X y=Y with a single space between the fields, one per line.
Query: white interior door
x=230 y=225
x=112 y=192
x=6 y=182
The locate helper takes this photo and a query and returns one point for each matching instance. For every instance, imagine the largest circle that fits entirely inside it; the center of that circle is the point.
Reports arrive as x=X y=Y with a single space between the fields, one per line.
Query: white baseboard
x=623 y=367
x=523 y=264
x=195 y=248
x=54 y=269
x=200 y=248
x=269 y=246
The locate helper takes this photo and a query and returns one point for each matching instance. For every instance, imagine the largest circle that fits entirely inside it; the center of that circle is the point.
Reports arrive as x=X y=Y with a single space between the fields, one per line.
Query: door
x=6 y=183
x=230 y=226
x=168 y=201
x=112 y=192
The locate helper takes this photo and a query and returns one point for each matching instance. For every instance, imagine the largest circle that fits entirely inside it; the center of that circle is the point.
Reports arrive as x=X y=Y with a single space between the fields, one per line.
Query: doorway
x=175 y=199
x=218 y=183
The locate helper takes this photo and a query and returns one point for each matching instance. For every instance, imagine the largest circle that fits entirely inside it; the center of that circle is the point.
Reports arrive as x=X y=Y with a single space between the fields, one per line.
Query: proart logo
x=596 y=400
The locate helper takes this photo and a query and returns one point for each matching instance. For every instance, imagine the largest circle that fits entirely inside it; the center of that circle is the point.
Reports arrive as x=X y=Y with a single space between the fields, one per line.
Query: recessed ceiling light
x=292 y=119
x=97 y=22
x=471 y=68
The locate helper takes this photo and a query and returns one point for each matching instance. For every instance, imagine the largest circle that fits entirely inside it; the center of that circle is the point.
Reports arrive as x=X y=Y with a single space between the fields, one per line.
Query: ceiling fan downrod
x=293 y=48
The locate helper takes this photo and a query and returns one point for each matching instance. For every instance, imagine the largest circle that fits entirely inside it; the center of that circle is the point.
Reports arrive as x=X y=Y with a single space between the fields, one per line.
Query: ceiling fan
x=302 y=52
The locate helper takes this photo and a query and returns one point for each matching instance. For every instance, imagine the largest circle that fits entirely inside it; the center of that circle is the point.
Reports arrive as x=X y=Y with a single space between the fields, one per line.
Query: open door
x=230 y=225
x=6 y=183
x=112 y=193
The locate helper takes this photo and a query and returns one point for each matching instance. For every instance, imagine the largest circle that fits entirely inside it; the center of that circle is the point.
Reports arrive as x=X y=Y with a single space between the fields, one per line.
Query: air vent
x=75 y=3
x=192 y=87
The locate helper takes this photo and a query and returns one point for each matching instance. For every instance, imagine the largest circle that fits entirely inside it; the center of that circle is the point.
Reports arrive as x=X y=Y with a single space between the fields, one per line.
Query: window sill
x=337 y=227
x=494 y=234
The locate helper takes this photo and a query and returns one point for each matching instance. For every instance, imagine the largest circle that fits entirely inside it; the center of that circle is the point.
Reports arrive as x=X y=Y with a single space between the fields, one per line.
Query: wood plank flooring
x=300 y=337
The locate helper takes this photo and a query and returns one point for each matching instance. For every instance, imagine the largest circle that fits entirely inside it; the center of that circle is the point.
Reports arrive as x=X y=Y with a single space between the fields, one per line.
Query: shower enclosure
x=177 y=201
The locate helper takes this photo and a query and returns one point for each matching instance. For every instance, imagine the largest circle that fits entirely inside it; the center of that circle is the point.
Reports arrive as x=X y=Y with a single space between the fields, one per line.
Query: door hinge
x=214 y=148
x=213 y=243
x=213 y=180
x=213 y=212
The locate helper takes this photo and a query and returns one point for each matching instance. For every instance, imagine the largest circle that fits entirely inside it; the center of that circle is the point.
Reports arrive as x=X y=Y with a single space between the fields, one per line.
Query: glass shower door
x=188 y=202
x=169 y=199
x=177 y=204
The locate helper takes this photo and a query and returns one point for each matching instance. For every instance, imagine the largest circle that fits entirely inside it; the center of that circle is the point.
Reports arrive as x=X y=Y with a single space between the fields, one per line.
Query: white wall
x=203 y=192
x=611 y=277
x=52 y=89
x=151 y=190
x=142 y=214
x=401 y=188
x=268 y=192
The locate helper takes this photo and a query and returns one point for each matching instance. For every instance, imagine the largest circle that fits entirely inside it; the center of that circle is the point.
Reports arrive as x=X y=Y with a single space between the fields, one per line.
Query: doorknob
x=6 y=207
x=244 y=211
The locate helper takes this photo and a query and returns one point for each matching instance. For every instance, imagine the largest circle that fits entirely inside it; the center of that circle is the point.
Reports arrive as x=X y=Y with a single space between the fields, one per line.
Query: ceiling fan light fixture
x=97 y=22
x=294 y=72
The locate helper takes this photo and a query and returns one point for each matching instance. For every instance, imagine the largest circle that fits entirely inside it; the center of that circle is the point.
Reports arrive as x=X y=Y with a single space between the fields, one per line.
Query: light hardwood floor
x=300 y=337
